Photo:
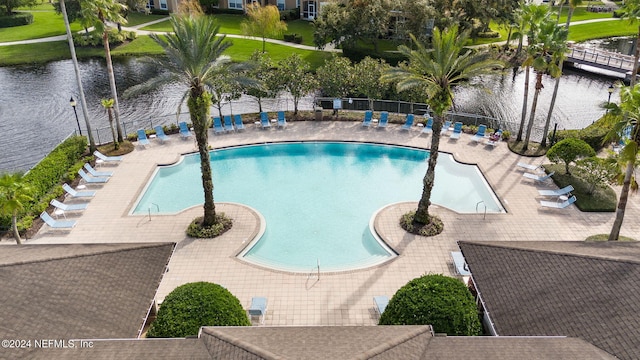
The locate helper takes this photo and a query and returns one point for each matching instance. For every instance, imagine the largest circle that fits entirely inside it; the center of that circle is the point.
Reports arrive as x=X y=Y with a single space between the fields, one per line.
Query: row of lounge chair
x=228 y=125
x=564 y=196
x=143 y=140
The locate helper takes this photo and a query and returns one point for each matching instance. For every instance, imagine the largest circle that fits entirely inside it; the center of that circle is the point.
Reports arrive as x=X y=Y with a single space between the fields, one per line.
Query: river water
x=35 y=114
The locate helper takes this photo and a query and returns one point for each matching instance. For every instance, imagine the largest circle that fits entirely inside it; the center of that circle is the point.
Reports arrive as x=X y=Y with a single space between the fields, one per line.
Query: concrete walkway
x=338 y=298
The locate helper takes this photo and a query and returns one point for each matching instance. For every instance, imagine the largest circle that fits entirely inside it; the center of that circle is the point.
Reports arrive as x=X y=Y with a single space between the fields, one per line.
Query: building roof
x=78 y=291
x=589 y=290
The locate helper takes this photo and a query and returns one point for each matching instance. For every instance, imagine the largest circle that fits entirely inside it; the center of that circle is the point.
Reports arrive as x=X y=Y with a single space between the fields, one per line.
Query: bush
x=437 y=300
x=294 y=38
x=159 y=12
x=94 y=38
x=489 y=35
x=17 y=19
x=196 y=230
x=593 y=134
x=193 y=305
x=569 y=150
x=433 y=228
x=357 y=54
x=288 y=15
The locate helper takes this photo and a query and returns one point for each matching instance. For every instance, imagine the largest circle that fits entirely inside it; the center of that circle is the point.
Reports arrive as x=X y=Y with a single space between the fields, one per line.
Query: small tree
x=193 y=305
x=14 y=194
x=596 y=171
x=568 y=151
x=437 y=300
x=336 y=76
x=294 y=76
x=263 y=22
x=9 y=5
x=107 y=104
x=367 y=74
x=262 y=71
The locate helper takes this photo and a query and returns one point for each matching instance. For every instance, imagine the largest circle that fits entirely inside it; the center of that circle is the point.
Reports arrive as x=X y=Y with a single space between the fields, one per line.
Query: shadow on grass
x=533 y=150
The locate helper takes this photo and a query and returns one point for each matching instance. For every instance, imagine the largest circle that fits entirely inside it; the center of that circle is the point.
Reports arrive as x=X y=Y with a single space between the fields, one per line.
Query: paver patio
x=335 y=298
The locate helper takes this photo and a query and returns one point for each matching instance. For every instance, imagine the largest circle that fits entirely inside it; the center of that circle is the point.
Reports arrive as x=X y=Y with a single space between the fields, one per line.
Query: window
x=150 y=4
x=235 y=4
x=163 y=4
x=280 y=5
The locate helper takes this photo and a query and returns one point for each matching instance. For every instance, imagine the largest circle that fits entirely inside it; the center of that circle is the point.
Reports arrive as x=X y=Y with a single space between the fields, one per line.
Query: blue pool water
x=317 y=198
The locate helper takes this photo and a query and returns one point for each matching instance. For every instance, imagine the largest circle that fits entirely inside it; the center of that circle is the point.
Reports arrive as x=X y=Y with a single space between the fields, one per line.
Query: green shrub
x=433 y=228
x=94 y=38
x=357 y=54
x=569 y=150
x=193 y=305
x=437 y=300
x=593 y=134
x=489 y=35
x=291 y=14
x=602 y=199
x=159 y=12
x=196 y=230
x=294 y=38
x=17 y=19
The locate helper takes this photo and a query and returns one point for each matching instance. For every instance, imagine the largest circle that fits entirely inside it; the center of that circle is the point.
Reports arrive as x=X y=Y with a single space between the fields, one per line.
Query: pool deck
x=339 y=298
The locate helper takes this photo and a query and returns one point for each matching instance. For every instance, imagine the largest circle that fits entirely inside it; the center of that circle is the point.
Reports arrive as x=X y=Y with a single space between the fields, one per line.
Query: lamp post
x=610 y=90
x=73 y=105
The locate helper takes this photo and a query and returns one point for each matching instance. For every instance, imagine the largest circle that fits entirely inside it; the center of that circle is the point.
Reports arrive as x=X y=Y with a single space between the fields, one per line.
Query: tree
x=437 y=300
x=596 y=171
x=14 y=193
x=107 y=104
x=191 y=306
x=194 y=59
x=568 y=150
x=98 y=13
x=438 y=70
x=367 y=74
x=9 y=5
x=631 y=11
x=263 y=73
x=335 y=76
x=295 y=77
x=545 y=54
x=263 y=22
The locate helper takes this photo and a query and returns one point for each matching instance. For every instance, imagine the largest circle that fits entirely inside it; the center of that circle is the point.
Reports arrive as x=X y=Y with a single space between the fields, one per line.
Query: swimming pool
x=317 y=197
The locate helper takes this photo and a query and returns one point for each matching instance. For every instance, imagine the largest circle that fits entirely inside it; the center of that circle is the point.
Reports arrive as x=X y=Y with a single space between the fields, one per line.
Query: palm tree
x=107 y=104
x=438 y=70
x=631 y=11
x=97 y=13
x=550 y=45
x=194 y=58
x=14 y=193
x=629 y=110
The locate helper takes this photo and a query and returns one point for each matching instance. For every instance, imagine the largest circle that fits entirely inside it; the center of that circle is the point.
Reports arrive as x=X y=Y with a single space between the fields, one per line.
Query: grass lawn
x=135 y=18
x=602 y=199
x=599 y=30
x=580 y=13
x=303 y=28
x=44 y=5
x=45 y=24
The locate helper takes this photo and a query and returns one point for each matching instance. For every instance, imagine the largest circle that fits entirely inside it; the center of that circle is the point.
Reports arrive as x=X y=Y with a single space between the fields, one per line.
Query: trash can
x=318 y=114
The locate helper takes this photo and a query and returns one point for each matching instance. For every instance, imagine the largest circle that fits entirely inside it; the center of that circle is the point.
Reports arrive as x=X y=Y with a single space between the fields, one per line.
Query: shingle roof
x=578 y=289
x=78 y=291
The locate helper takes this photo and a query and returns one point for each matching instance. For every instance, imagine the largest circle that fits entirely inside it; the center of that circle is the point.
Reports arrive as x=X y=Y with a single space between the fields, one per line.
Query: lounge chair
x=57 y=224
x=408 y=122
x=68 y=207
x=368 y=116
x=538 y=177
x=494 y=138
x=93 y=171
x=160 y=134
x=258 y=308
x=384 y=120
x=78 y=194
x=460 y=264
x=445 y=127
x=264 y=120
x=558 y=205
x=428 y=128
x=106 y=158
x=142 y=138
x=380 y=302
x=217 y=126
x=559 y=192
x=479 y=134
x=282 y=122
x=92 y=180
x=184 y=130
x=237 y=121
x=530 y=167
x=228 y=125
x=457 y=131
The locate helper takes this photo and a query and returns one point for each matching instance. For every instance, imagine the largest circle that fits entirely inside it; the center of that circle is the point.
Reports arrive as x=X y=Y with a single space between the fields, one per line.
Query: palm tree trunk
x=622 y=203
x=524 y=105
x=422 y=214
x=113 y=132
x=506 y=45
x=551 y=107
x=532 y=116
x=559 y=11
x=636 y=59
x=112 y=82
x=14 y=227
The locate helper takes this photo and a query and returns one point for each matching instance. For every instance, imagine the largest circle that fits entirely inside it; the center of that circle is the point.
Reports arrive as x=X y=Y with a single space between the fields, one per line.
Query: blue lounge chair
x=56 y=224
x=160 y=134
x=282 y=122
x=228 y=125
x=445 y=127
x=184 y=130
x=258 y=308
x=217 y=126
x=93 y=171
x=142 y=138
x=264 y=120
x=408 y=123
x=78 y=194
x=68 y=207
x=558 y=205
x=368 y=115
x=479 y=134
x=106 y=158
x=384 y=119
x=92 y=180
x=460 y=264
x=538 y=177
x=428 y=128
x=380 y=303
x=237 y=121
x=559 y=192
x=457 y=131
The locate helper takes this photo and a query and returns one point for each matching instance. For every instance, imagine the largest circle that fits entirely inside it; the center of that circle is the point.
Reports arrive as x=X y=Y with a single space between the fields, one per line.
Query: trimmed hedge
x=437 y=300
x=193 y=305
x=17 y=19
x=294 y=38
x=159 y=12
x=94 y=38
x=357 y=54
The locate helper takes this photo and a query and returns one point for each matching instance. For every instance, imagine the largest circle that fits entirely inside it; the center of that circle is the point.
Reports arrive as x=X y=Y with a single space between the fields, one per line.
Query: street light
x=73 y=105
x=610 y=90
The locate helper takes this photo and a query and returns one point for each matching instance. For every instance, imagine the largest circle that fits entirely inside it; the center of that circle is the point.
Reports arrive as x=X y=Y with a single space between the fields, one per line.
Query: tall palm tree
x=14 y=193
x=194 y=58
x=438 y=70
x=631 y=11
x=549 y=46
x=629 y=109
x=98 y=13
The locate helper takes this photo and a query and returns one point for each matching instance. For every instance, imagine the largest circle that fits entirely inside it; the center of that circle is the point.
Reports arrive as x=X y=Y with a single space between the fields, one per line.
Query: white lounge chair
x=380 y=303
x=57 y=224
x=68 y=207
x=460 y=264
x=258 y=308
x=559 y=192
x=558 y=205
x=106 y=158
x=538 y=177
x=78 y=194
x=94 y=172
x=530 y=166
x=92 y=180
